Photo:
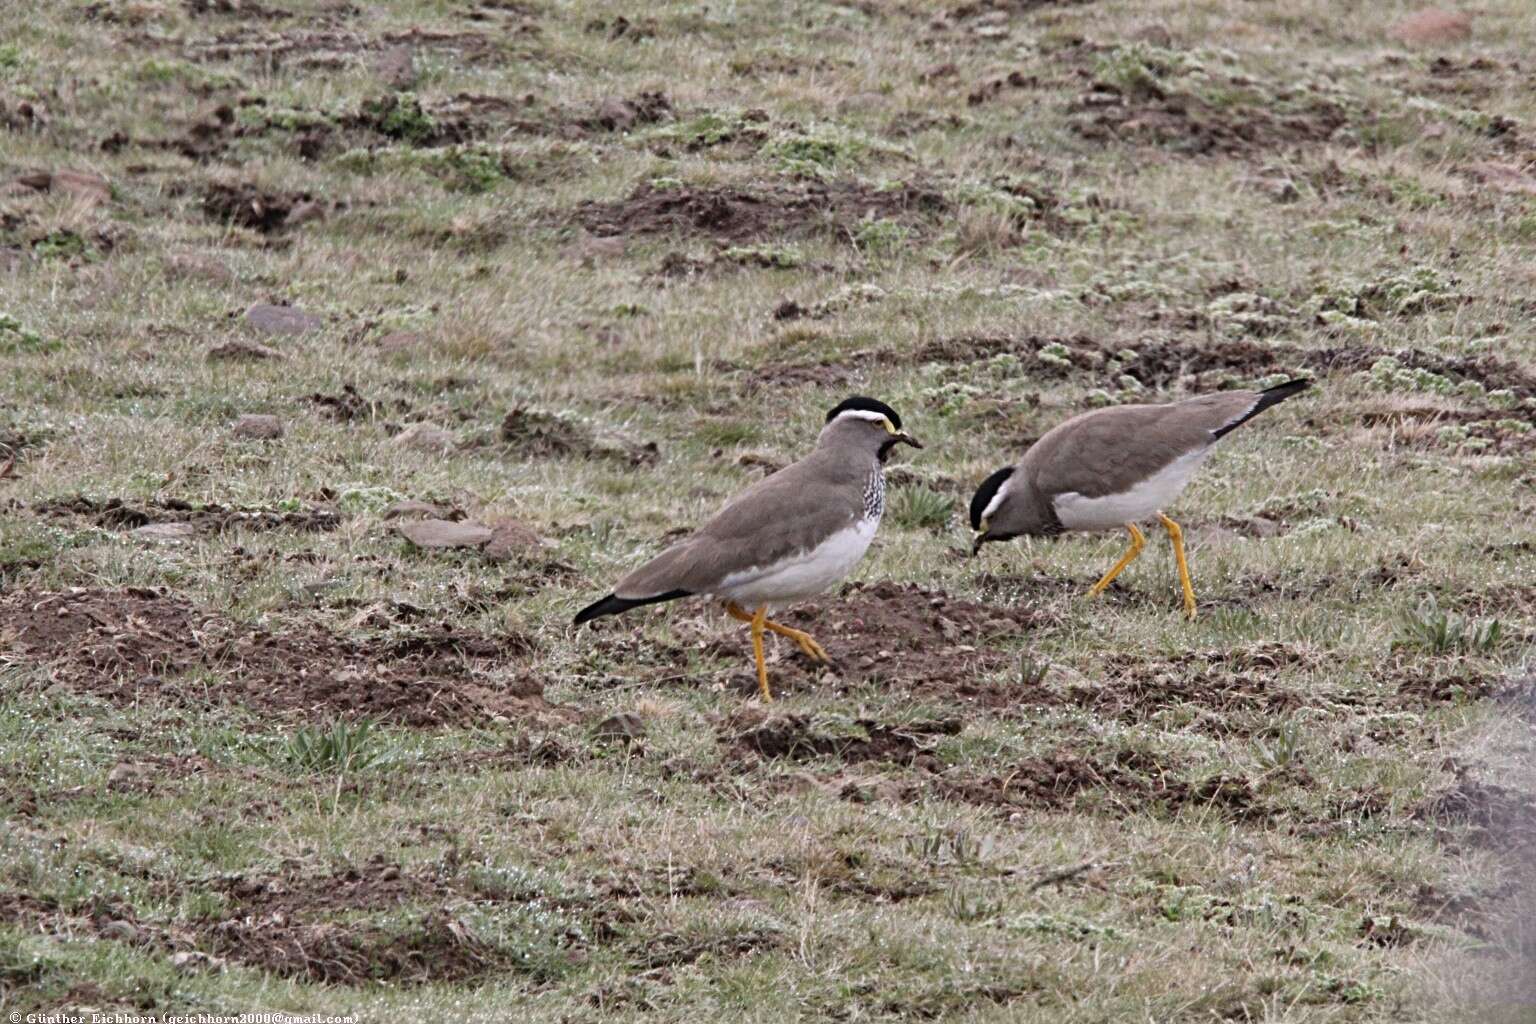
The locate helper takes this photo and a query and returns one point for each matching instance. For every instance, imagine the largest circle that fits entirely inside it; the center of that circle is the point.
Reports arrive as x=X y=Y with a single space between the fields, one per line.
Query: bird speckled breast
x=874 y=495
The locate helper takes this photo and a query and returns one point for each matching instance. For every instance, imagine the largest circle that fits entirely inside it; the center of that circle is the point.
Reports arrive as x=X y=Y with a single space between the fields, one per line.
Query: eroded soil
x=296 y=925
x=121 y=514
x=734 y=214
x=147 y=644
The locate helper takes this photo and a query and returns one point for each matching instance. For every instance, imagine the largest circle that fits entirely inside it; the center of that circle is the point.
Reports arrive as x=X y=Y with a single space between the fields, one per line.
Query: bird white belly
x=804 y=575
x=1139 y=503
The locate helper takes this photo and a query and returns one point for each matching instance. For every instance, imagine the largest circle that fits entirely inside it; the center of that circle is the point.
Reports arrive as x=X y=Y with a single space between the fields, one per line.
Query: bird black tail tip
x=1291 y=387
x=609 y=605
x=613 y=604
x=1268 y=397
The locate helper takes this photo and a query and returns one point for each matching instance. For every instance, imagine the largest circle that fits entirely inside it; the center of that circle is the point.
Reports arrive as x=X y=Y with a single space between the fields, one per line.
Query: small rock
x=1155 y=33
x=1503 y=177
x=82 y=185
x=243 y=350
x=121 y=931
x=625 y=728
x=1061 y=677
x=270 y=319
x=439 y=533
x=126 y=771
x=615 y=114
x=303 y=213
x=33 y=181
x=400 y=341
x=1280 y=189
x=589 y=249
x=1261 y=526
x=165 y=531
x=413 y=509
x=800 y=783
x=396 y=67
x=510 y=537
x=209 y=268
x=257 y=427
x=426 y=438
x=191 y=961
x=1433 y=26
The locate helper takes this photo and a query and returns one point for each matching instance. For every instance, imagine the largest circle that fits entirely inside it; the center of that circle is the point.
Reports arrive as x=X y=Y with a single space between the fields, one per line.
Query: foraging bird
x=784 y=539
x=1113 y=468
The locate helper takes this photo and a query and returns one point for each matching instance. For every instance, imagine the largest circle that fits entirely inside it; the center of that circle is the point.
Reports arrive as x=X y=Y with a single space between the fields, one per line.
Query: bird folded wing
x=768 y=524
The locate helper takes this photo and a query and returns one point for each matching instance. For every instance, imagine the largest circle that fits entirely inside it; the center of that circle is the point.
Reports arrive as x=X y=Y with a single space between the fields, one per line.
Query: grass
x=357 y=775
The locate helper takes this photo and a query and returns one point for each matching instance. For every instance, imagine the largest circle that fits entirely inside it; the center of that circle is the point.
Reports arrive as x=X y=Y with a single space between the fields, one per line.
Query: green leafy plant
x=920 y=508
x=401 y=117
x=877 y=236
x=15 y=338
x=1429 y=627
x=343 y=747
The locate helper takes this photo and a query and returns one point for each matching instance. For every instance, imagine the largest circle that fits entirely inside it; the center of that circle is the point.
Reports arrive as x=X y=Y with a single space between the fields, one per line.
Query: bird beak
x=981 y=538
x=906 y=438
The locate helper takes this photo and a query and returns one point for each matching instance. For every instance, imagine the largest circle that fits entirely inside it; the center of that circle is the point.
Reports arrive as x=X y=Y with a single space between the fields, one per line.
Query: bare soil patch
x=1187 y=124
x=1230 y=693
x=1166 y=362
x=753 y=734
x=122 y=514
x=139 y=643
x=1127 y=780
x=293 y=925
x=251 y=206
x=734 y=214
x=906 y=636
x=900 y=637
x=1491 y=814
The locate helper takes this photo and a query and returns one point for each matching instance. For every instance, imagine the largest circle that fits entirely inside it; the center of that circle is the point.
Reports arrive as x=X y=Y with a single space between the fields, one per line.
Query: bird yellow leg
x=758 y=618
x=1138 y=541
x=1176 y=535
x=808 y=644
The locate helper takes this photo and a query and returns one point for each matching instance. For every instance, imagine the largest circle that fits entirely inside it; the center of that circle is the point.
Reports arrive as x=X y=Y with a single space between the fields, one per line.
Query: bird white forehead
x=999 y=497
x=861 y=414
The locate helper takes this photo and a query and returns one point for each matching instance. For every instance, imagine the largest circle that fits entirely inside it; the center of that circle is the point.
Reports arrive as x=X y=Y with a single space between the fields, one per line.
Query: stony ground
x=350 y=349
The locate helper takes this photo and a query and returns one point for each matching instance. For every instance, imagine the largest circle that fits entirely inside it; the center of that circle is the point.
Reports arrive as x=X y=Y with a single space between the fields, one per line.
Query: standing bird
x=787 y=537
x=1114 y=468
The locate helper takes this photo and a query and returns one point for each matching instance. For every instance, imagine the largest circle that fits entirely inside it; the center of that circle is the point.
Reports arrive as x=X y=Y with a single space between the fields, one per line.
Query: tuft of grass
x=880 y=236
x=341 y=749
x=920 y=508
x=401 y=117
x=15 y=338
x=1431 y=628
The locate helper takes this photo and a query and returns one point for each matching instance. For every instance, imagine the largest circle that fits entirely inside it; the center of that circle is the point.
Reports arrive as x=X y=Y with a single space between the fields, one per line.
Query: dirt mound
x=732 y=214
x=903 y=635
x=753 y=734
x=274 y=924
x=251 y=206
x=295 y=925
x=1128 y=780
x=1227 y=692
x=1155 y=362
x=1161 y=363
x=120 y=514
x=1493 y=815
x=1188 y=124
x=137 y=643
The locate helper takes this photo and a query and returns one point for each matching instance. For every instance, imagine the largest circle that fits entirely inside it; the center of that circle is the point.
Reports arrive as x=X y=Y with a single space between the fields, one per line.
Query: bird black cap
x=985 y=493
x=861 y=404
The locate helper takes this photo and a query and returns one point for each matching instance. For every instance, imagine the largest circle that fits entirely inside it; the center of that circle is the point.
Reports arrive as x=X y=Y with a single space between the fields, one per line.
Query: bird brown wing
x=1109 y=451
x=784 y=515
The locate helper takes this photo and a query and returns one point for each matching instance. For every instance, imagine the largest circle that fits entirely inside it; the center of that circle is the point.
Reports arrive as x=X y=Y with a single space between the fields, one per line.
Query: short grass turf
x=580 y=271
